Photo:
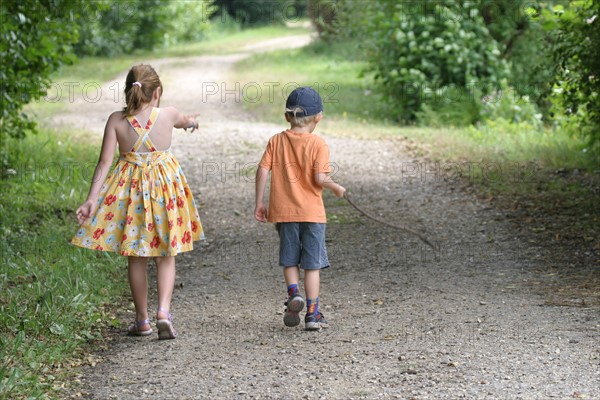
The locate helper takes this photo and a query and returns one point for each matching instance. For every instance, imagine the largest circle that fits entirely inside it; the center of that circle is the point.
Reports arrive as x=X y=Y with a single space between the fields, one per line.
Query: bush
x=35 y=39
x=507 y=105
x=576 y=51
x=524 y=44
x=261 y=12
x=114 y=27
x=423 y=49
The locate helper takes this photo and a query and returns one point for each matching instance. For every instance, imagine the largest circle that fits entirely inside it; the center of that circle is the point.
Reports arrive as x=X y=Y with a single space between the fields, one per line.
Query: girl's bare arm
x=109 y=146
x=182 y=121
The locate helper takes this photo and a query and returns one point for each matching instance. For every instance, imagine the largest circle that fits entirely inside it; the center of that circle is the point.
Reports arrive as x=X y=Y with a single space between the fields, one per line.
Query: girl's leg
x=165 y=272
x=138 y=282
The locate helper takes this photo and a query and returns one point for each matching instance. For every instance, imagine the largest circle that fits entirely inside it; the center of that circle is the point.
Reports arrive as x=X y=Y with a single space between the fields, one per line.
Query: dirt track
x=406 y=321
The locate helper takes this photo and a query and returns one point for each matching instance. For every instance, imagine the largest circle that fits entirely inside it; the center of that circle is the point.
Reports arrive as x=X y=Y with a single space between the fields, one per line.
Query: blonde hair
x=146 y=81
x=299 y=121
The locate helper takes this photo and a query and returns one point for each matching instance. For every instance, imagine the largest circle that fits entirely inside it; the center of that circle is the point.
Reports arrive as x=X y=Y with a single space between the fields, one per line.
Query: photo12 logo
x=212 y=171
x=253 y=92
x=113 y=91
x=52 y=171
x=471 y=171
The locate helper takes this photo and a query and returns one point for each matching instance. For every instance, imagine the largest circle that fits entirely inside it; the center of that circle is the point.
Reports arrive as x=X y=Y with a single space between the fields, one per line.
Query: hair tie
x=136 y=83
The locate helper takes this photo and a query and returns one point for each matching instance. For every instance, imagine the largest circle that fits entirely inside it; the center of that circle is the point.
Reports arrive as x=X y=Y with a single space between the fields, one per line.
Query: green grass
x=55 y=299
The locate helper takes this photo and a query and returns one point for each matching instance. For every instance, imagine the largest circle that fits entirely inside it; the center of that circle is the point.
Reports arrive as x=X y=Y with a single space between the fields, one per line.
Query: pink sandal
x=134 y=330
x=165 y=326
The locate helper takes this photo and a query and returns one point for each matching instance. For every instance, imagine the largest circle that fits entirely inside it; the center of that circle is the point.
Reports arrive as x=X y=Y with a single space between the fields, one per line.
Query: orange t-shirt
x=293 y=159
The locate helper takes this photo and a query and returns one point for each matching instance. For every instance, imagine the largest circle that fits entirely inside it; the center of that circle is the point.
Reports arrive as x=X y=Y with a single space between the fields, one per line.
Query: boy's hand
x=260 y=213
x=338 y=191
x=85 y=211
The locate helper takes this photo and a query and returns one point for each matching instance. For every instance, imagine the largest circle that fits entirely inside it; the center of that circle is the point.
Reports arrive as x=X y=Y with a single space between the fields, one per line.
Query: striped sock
x=312 y=306
x=292 y=289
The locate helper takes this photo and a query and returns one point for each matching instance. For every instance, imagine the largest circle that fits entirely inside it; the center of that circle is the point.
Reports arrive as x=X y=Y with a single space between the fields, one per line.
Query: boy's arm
x=324 y=180
x=260 y=211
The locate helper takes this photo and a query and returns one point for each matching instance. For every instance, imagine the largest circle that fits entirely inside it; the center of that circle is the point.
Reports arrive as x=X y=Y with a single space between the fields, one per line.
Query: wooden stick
x=402 y=228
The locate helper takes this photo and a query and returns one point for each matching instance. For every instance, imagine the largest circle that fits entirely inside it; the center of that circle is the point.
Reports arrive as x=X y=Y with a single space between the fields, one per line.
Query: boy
x=299 y=165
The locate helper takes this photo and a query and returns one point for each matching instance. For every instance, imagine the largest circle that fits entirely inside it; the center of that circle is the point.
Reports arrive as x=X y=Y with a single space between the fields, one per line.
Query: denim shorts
x=303 y=244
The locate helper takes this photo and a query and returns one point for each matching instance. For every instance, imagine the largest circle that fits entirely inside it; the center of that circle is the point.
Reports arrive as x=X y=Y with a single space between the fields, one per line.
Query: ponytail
x=140 y=84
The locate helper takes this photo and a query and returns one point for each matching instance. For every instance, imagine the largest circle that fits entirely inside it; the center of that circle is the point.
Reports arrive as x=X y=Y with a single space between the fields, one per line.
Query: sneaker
x=294 y=305
x=314 y=322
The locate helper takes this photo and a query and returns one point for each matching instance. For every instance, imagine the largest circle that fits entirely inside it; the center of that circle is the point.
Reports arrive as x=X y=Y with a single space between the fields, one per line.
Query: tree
x=35 y=39
x=322 y=14
x=38 y=36
x=524 y=44
x=261 y=12
x=111 y=27
x=576 y=51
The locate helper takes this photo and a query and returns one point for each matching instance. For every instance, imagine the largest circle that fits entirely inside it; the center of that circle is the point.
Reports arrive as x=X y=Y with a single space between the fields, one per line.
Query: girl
x=144 y=208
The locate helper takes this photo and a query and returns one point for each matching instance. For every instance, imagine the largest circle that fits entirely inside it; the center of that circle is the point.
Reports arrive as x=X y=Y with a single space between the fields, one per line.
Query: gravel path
x=406 y=322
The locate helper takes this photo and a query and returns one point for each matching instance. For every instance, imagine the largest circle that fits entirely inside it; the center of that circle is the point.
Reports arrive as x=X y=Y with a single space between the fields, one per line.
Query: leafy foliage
x=111 y=27
x=261 y=12
x=524 y=44
x=432 y=53
x=35 y=38
x=576 y=51
x=190 y=21
x=509 y=106
x=322 y=14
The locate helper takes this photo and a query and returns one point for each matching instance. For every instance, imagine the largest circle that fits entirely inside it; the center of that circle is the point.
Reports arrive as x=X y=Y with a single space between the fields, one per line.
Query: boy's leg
x=312 y=283
x=292 y=277
x=314 y=258
x=295 y=302
x=289 y=258
x=313 y=318
x=138 y=282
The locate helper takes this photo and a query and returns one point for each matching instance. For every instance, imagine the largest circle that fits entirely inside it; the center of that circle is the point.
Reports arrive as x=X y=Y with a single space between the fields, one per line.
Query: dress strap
x=143 y=133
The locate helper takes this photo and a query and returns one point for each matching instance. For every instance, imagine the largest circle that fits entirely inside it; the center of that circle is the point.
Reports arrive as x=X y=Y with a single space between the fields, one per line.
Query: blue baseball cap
x=306 y=99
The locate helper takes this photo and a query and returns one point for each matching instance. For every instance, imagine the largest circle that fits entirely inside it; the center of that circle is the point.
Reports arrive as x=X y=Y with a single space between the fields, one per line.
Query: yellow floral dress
x=145 y=207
